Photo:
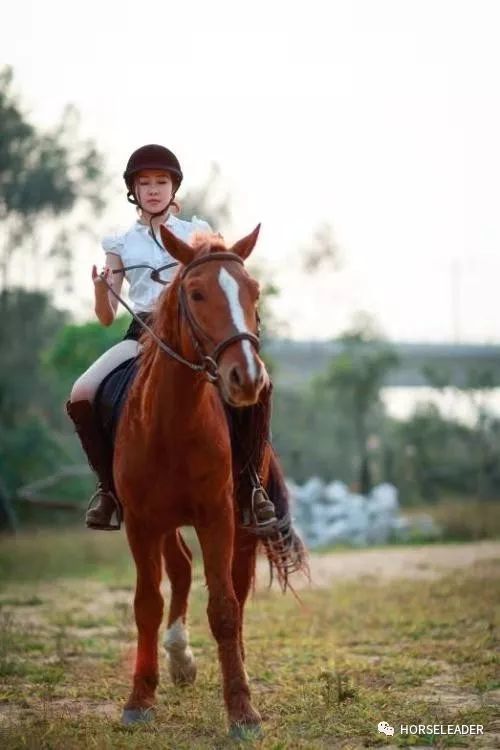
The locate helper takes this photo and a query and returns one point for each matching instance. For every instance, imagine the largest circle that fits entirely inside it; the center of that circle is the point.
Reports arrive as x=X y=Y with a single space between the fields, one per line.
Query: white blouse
x=137 y=246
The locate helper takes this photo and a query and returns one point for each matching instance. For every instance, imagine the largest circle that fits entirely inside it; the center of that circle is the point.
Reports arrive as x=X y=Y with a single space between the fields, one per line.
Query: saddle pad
x=111 y=396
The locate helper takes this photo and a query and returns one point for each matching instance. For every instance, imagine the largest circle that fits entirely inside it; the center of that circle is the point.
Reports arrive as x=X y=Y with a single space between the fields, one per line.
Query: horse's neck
x=171 y=395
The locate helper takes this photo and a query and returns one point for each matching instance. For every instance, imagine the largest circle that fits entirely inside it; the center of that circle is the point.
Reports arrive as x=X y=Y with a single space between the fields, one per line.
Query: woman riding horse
x=152 y=177
x=192 y=444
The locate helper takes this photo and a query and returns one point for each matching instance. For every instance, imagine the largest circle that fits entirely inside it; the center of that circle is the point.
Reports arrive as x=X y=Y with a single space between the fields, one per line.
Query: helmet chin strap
x=131 y=197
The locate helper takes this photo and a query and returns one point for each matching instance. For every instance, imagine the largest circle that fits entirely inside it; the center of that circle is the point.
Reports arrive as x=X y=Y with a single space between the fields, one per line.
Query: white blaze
x=231 y=289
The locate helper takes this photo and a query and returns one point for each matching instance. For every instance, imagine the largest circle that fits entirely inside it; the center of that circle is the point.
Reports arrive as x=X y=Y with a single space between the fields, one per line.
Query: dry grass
x=467 y=520
x=323 y=674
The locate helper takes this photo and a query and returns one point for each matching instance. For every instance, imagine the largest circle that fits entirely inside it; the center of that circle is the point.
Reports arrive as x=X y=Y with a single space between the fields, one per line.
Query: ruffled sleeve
x=113 y=243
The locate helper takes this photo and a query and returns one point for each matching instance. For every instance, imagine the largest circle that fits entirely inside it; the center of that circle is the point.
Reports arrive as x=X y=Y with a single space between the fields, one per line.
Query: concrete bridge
x=298 y=361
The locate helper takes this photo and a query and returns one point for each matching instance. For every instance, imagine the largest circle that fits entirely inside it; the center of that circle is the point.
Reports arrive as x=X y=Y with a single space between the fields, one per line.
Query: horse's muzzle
x=242 y=380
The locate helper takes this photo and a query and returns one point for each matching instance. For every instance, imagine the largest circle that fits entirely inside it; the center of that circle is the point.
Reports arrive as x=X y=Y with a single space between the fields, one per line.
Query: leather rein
x=208 y=362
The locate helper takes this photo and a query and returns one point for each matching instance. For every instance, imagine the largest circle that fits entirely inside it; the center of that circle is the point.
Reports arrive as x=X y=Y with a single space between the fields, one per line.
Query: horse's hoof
x=136 y=716
x=248 y=731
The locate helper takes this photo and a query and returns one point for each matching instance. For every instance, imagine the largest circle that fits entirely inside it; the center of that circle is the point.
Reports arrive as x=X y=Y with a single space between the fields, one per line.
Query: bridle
x=208 y=362
x=196 y=331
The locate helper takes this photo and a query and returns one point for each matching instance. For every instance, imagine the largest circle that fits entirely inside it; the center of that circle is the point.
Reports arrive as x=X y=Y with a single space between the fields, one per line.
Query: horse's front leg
x=148 y=606
x=243 y=572
x=216 y=539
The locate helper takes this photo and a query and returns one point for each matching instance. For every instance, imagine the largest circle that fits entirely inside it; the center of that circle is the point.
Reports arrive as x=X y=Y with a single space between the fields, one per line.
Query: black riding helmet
x=151 y=156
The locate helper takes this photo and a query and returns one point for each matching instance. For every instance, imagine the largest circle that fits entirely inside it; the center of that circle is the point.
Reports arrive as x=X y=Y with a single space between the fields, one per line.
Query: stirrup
x=261 y=515
x=117 y=509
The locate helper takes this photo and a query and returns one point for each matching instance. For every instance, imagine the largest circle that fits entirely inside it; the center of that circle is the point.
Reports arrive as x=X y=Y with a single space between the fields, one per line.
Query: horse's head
x=218 y=311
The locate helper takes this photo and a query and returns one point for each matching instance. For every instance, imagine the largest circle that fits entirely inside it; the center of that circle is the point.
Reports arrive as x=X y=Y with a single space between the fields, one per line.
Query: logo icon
x=385 y=728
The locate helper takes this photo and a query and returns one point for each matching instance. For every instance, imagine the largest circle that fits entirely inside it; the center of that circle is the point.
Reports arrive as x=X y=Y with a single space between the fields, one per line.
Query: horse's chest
x=175 y=466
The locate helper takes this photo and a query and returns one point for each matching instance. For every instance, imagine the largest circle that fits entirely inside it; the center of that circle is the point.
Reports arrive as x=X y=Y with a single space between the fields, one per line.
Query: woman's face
x=154 y=190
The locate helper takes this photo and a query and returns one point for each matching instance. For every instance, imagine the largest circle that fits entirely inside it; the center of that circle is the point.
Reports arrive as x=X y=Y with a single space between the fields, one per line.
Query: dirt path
x=428 y=562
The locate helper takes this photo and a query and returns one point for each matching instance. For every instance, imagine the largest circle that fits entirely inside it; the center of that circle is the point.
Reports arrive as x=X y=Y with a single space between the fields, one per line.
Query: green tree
x=434 y=453
x=76 y=346
x=477 y=384
x=29 y=325
x=313 y=435
x=355 y=378
x=31 y=412
x=43 y=176
x=51 y=188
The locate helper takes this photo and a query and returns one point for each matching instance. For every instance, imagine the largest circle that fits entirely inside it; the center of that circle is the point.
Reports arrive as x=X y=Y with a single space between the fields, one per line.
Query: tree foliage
x=355 y=377
x=29 y=325
x=44 y=175
x=51 y=187
x=76 y=346
x=31 y=410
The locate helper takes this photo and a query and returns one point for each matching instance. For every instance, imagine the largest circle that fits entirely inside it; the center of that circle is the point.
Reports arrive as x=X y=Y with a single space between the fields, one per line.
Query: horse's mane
x=165 y=322
x=207 y=241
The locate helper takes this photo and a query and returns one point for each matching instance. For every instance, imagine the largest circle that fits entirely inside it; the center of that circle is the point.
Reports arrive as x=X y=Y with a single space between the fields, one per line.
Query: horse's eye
x=197 y=296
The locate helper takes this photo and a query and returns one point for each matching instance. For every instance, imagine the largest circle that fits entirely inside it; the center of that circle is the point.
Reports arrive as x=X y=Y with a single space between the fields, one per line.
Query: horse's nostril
x=235 y=376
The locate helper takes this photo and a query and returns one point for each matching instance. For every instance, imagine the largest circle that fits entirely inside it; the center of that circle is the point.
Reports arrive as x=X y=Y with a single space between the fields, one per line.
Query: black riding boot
x=103 y=502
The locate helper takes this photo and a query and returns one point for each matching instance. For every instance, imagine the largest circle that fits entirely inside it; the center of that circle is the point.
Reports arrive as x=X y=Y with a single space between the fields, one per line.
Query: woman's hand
x=99 y=278
x=105 y=302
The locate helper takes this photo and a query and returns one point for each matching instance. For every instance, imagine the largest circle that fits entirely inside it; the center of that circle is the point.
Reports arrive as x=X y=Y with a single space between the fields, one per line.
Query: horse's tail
x=285 y=550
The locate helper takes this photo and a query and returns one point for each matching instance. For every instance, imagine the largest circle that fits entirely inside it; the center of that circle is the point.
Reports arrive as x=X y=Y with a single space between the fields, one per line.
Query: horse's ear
x=244 y=247
x=180 y=250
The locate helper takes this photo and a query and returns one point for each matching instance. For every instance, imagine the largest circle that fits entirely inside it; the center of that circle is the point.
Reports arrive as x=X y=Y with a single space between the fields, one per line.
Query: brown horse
x=173 y=467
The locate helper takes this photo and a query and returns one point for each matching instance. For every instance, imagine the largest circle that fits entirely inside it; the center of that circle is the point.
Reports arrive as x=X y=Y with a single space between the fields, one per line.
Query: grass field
x=405 y=649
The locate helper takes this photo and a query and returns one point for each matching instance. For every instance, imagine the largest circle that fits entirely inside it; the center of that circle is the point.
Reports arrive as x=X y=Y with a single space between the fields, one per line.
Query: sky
x=378 y=117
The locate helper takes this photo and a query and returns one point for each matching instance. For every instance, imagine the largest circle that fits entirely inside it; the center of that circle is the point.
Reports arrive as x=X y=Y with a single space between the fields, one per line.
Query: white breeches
x=87 y=384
